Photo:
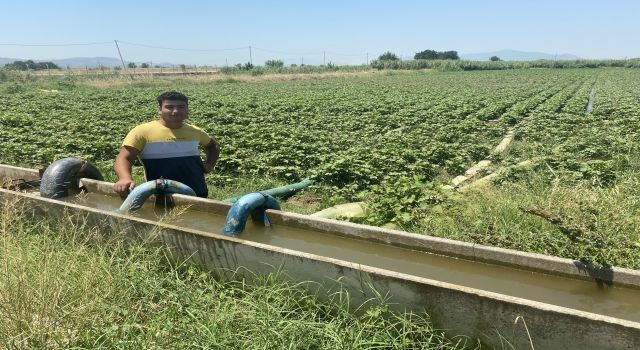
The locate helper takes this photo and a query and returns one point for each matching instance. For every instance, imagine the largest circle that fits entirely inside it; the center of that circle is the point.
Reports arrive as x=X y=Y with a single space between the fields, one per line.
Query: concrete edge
x=14 y=172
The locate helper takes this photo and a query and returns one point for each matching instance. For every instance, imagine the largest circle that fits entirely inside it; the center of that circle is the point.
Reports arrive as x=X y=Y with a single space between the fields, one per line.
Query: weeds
x=68 y=284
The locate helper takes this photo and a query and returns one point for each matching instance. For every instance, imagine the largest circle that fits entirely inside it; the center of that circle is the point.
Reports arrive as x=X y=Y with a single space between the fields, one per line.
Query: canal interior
x=589 y=296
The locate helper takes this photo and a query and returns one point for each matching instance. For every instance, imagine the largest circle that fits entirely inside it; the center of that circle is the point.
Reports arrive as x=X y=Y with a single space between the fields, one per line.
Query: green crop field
x=391 y=139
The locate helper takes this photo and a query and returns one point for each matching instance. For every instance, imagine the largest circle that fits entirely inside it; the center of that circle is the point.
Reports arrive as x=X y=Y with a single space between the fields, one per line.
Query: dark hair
x=172 y=95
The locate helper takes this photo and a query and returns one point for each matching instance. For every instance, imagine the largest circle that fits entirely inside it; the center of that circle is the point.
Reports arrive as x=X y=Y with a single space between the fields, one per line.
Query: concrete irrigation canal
x=466 y=288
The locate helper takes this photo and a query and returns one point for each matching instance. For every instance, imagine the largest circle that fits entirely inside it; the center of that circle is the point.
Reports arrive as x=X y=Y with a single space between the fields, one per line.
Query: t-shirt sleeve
x=203 y=137
x=134 y=139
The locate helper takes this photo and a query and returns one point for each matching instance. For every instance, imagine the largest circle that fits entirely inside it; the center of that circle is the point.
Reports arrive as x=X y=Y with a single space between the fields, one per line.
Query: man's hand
x=122 y=167
x=212 y=150
x=208 y=167
x=123 y=187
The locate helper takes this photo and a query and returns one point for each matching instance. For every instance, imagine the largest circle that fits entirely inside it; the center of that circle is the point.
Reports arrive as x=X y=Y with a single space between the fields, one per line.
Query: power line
x=311 y=53
x=190 y=49
x=288 y=53
x=347 y=54
x=324 y=53
x=182 y=49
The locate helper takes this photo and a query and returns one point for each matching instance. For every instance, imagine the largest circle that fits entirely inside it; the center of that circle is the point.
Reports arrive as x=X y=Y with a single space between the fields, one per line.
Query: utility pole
x=250 y=56
x=302 y=64
x=324 y=58
x=121 y=59
x=367 y=58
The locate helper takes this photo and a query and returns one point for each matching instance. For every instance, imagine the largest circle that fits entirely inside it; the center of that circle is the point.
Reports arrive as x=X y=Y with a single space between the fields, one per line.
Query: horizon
x=463 y=56
x=354 y=32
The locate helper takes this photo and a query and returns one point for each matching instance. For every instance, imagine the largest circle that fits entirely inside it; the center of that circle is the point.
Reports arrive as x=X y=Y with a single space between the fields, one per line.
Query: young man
x=168 y=148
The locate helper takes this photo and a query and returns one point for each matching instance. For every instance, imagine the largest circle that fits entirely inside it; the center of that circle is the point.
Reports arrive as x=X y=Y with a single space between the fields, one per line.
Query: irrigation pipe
x=254 y=204
x=279 y=192
x=487 y=179
x=471 y=172
x=139 y=195
x=349 y=210
x=592 y=94
x=65 y=174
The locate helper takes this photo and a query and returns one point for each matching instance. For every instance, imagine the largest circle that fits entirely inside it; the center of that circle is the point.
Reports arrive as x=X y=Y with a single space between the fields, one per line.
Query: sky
x=313 y=32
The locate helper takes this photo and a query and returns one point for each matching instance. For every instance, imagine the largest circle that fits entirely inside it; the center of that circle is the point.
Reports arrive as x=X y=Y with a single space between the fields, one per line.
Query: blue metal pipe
x=253 y=203
x=140 y=193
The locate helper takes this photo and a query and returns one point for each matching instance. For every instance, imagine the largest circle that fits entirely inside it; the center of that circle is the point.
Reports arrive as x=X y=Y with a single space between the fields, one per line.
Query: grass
x=142 y=80
x=68 y=285
x=547 y=213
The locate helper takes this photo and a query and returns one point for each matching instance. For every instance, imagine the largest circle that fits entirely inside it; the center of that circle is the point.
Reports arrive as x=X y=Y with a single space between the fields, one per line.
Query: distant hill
x=4 y=60
x=79 y=62
x=512 y=55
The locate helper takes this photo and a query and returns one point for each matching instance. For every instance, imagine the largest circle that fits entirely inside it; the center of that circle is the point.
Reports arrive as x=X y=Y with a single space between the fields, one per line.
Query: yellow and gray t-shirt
x=171 y=153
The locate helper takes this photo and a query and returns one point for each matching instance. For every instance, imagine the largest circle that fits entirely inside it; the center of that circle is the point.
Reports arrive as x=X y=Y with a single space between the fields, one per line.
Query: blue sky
x=337 y=31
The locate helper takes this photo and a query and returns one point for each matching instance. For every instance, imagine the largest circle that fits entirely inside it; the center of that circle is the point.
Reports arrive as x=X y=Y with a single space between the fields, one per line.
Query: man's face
x=173 y=111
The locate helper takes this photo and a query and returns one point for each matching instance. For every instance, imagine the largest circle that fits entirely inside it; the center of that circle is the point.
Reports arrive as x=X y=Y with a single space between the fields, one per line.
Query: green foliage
x=144 y=65
x=274 y=63
x=401 y=200
x=4 y=75
x=494 y=59
x=436 y=55
x=240 y=67
x=66 y=83
x=388 y=56
x=31 y=65
x=457 y=65
x=15 y=88
x=257 y=71
x=131 y=65
x=296 y=69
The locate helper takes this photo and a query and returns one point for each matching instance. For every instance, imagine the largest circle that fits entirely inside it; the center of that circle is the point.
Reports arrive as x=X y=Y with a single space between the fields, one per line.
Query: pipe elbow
x=64 y=175
x=254 y=204
x=141 y=193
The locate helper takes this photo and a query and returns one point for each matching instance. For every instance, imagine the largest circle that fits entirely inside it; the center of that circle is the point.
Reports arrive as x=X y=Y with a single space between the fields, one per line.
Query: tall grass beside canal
x=67 y=285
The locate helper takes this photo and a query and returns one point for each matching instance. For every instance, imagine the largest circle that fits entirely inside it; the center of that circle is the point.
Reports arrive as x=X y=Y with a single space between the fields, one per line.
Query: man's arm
x=212 y=151
x=122 y=166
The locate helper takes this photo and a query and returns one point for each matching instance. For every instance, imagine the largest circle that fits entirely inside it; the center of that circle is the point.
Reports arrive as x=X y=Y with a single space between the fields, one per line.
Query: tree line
x=423 y=55
x=31 y=65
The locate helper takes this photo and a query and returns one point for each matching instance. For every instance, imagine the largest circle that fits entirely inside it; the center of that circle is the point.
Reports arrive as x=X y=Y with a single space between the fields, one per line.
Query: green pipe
x=280 y=192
